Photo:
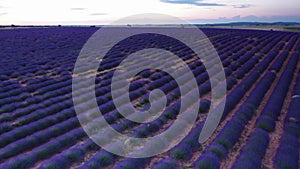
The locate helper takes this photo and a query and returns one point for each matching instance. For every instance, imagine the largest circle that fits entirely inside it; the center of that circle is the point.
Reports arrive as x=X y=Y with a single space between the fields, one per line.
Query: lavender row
x=231 y=132
x=184 y=150
x=266 y=121
x=233 y=129
x=287 y=155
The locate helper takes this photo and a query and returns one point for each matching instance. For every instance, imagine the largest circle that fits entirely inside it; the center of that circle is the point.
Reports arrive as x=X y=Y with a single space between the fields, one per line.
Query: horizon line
x=162 y=24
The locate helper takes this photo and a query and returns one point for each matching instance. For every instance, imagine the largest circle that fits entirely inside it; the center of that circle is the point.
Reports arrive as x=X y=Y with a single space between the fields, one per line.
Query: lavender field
x=260 y=126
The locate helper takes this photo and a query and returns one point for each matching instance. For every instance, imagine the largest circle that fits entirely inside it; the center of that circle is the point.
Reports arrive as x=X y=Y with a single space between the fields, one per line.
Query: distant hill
x=253 y=24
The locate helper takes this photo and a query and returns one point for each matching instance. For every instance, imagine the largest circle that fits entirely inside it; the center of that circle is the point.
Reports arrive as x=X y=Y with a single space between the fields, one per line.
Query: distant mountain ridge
x=296 y=24
x=253 y=24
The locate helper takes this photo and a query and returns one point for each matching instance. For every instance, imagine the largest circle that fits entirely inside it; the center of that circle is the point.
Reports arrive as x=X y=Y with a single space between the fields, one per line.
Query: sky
x=99 y=12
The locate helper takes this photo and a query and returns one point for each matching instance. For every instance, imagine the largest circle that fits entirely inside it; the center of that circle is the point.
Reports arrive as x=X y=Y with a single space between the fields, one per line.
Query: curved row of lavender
x=39 y=127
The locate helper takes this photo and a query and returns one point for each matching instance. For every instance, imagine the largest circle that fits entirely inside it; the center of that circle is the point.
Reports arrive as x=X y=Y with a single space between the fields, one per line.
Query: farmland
x=260 y=125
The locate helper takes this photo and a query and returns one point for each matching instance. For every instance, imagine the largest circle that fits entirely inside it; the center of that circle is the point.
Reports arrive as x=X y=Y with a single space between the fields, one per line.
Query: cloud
x=78 y=9
x=191 y=2
x=97 y=14
x=249 y=18
x=242 y=6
